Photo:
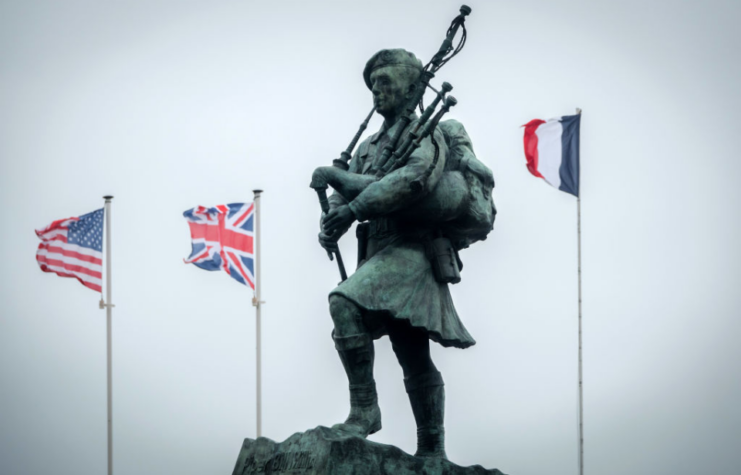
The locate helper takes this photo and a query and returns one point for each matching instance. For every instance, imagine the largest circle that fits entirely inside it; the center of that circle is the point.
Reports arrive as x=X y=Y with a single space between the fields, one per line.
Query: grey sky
x=168 y=105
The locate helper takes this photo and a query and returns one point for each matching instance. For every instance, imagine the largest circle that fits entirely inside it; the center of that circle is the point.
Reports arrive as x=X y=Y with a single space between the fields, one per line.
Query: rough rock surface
x=324 y=451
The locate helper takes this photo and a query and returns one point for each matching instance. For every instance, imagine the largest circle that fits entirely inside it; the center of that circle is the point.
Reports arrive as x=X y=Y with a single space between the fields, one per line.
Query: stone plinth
x=324 y=451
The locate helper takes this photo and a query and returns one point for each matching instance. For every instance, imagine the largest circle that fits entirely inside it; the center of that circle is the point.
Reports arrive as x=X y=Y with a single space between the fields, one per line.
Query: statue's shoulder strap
x=461 y=156
x=360 y=157
x=364 y=147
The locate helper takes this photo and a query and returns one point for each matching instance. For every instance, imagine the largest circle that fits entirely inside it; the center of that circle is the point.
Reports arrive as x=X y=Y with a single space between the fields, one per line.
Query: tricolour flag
x=73 y=247
x=552 y=151
x=223 y=238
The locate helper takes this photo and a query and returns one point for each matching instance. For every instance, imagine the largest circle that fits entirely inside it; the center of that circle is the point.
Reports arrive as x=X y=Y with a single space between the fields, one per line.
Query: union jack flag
x=223 y=238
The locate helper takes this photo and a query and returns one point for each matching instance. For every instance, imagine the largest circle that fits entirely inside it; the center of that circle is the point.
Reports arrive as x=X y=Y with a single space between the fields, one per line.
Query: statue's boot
x=427 y=395
x=357 y=354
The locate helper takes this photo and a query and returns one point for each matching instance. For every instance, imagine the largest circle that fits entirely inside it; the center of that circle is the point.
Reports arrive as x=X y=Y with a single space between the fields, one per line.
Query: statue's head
x=392 y=74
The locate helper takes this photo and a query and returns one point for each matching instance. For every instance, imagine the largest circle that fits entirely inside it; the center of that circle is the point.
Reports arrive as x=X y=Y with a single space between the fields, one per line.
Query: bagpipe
x=443 y=208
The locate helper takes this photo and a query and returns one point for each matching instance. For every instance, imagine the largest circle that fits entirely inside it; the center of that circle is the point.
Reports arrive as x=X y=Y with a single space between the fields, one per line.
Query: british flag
x=223 y=238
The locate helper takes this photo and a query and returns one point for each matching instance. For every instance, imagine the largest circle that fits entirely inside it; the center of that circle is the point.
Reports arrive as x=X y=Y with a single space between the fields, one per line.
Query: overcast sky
x=169 y=105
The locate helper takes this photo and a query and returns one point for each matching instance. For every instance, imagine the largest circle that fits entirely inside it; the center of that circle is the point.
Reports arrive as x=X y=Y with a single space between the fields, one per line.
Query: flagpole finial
x=257 y=192
x=578 y=111
x=108 y=197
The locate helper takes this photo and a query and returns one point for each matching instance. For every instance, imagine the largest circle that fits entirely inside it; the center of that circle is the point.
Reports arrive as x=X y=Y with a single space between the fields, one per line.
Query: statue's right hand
x=328 y=242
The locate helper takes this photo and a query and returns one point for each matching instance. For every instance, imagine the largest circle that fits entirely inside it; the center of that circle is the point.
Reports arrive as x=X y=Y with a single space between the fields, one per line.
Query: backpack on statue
x=460 y=205
x=476 y=218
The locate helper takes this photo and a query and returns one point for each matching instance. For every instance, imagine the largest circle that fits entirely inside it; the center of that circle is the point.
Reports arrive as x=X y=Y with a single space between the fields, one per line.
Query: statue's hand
x=338 y=221
x=329 y=242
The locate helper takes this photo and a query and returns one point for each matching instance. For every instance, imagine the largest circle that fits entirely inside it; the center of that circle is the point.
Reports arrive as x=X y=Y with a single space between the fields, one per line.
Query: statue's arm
x=336 y=199
x=395 y=190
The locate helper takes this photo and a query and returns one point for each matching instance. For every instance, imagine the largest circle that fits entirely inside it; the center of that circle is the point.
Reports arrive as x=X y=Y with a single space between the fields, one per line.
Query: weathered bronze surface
x=324 y=451
x=420 y=196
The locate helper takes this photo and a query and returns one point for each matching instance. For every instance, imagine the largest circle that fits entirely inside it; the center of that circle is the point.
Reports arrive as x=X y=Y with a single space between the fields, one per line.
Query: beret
x=390 y=57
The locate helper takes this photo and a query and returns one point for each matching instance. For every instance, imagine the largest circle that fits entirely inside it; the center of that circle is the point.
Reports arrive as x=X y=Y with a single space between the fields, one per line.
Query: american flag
x=223 y=238
x=73 y=247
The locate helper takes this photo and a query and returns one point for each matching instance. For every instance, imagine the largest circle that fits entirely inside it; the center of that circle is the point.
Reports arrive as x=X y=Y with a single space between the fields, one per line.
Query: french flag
x=552 y=151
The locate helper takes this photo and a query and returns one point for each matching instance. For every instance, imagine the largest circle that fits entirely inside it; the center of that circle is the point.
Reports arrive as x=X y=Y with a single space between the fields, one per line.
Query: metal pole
x=108 y=311
x=581 y=385
x=257 y=303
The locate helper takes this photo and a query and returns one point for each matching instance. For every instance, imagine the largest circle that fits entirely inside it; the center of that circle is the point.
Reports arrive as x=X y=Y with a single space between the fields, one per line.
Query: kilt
x=396 y=280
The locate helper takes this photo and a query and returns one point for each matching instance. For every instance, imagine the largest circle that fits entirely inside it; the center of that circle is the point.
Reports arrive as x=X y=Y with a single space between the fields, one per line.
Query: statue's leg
x=355 y=347
x=424 y=385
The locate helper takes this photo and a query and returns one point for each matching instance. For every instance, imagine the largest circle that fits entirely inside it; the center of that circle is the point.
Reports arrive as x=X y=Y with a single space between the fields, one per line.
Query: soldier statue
x=397 y=289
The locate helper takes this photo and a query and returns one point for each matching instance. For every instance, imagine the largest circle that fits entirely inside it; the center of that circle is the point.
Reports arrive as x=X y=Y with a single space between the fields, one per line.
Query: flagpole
x=257 y=303
x=581 y=383
x=109 y=309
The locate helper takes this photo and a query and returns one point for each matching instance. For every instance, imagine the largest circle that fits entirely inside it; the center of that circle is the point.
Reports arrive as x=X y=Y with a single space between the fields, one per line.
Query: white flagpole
x=581 y=383
x=109 y=308
x=257 y=303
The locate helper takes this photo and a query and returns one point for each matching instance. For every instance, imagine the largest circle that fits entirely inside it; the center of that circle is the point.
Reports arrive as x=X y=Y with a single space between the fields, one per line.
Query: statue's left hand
x=338 y=220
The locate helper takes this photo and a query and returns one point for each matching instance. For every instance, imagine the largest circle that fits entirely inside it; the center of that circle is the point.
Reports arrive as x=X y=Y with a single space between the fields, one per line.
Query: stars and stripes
x=223 y=238
x=73 y=247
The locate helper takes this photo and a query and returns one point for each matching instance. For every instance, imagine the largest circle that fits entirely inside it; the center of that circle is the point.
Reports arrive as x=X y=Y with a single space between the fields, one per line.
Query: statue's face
x=391 y=89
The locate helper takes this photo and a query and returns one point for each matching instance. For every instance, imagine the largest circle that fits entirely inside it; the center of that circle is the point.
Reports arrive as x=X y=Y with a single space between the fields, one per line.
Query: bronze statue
x=421 y=196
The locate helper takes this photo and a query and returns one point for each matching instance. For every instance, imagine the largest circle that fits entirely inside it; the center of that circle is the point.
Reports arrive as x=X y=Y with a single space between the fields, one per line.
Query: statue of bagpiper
x=421 y=196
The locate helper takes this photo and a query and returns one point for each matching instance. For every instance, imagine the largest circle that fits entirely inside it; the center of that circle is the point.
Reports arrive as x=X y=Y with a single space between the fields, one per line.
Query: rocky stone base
x=324 y=451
